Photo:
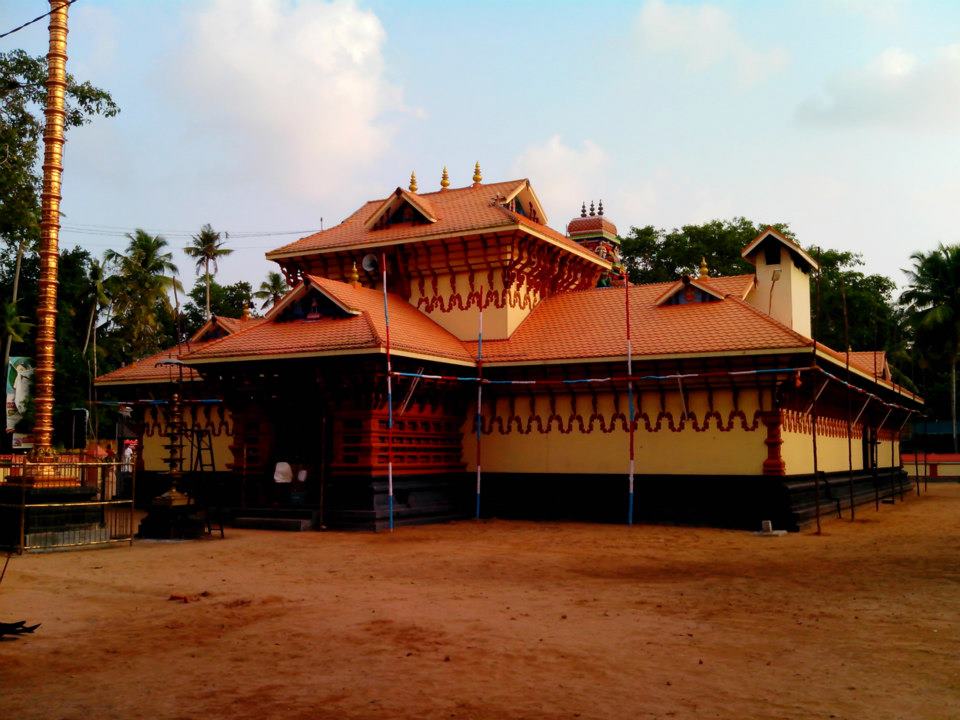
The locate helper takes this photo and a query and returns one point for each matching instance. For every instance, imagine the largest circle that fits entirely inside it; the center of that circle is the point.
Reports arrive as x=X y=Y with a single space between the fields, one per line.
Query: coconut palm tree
x=271 y=290
x=142 y=278
x=206 y=247
x=933 y=301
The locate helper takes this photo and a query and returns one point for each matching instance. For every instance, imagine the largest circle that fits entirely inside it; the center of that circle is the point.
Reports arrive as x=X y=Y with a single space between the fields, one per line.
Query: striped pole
x=386 y=317
x=479 y=395
x=626 y=285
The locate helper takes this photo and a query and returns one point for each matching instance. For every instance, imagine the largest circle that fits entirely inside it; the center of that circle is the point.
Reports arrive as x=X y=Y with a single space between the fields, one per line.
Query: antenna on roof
x=321 y=223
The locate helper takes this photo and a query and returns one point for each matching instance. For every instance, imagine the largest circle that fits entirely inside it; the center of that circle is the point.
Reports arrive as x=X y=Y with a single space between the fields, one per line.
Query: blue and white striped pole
x=479 y=421
x=626 y=285
x=386 y=318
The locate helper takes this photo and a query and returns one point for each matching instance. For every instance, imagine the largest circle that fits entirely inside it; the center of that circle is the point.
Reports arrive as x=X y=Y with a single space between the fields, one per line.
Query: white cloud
x=705 y=36
x=295 y=91
x=564 y=176
x=896 y=90
x=884 y=11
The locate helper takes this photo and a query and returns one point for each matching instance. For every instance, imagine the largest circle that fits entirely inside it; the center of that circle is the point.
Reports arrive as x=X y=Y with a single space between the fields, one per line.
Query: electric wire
x=37 y=19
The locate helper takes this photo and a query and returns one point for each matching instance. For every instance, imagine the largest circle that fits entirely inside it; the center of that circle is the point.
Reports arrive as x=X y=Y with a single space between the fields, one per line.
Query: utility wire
x=37 y=19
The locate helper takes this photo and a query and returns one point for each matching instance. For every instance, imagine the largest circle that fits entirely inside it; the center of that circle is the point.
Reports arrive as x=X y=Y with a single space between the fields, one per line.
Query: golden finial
x=445 y=179
x=355 y=276
x=704 y=270
x=477 y=177
x=413 y=182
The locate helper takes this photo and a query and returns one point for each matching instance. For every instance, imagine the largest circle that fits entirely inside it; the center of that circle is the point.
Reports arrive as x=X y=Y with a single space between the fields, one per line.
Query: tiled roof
x=736 y=285
x=590 y=324
x=590 y=225
x=411 y=330
x=145 y=371
x=458 y=211
x=233 y=325
x=872 y=362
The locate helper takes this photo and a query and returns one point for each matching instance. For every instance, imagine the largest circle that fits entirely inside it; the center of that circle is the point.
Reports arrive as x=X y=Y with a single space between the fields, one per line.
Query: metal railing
x=73 y=502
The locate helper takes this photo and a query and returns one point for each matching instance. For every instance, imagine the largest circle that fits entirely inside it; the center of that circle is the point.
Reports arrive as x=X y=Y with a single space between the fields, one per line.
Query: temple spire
x=593 y=211
x=600 y=209
x=704 y=270
x=354 y=276
x=444 y=179
x=477 y=175
x=583 y=209
x=413 y=182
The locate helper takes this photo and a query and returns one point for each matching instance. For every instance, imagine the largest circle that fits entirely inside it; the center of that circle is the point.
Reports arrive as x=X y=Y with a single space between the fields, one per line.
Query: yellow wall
x=154 y=452
x=797 y=452
x=713 y=452
x=498 y=323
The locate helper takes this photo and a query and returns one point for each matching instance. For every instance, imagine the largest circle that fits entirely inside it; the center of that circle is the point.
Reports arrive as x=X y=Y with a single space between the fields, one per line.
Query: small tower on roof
x=599 y=235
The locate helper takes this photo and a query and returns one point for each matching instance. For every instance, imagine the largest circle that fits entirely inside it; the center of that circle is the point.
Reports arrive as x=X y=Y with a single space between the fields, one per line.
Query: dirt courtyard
x=499 y=620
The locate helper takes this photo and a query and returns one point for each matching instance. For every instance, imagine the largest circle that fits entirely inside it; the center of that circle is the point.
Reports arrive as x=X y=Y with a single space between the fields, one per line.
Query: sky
x=272 y=118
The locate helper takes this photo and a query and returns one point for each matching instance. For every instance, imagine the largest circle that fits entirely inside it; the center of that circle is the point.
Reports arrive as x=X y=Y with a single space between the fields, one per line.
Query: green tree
x=206 y=247
x=15 y=326
x=22 y=98
x=271 y=290
x=656 y=255
x=140 y=285
x=932 y=300
x=225 y=301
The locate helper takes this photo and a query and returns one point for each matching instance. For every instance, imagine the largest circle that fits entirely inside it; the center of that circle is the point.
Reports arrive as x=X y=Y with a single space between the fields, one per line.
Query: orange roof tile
x=411 y=331
x=458 y=211
x=870 y=361
x=145 y=371
x=590 y=224
x=555 y=328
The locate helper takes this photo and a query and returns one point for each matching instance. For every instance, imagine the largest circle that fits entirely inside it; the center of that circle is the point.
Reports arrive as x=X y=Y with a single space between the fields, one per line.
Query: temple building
x=711 y=389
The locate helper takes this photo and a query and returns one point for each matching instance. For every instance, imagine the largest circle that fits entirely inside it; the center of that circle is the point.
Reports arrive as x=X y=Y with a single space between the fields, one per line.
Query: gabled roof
x=227 y=324
x=557 y=328
x=793 y=247
x=458 y=211
x=419 y=203
x=362 y=329
x=685 y=282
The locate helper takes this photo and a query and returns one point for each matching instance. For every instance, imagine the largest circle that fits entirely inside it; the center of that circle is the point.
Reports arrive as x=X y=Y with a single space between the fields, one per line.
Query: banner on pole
x=19 y=381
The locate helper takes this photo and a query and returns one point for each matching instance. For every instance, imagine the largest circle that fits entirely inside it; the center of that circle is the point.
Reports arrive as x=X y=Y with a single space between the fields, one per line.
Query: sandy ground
x=499 y=620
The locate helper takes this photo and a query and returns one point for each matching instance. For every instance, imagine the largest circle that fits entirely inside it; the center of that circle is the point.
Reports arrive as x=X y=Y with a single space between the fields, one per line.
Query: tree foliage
x=657 y=255
x=225 y=301
x=207 y=247
x=271 y=290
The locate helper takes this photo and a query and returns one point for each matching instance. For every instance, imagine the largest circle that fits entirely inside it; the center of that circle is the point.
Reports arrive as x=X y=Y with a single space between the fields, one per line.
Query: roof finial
x=245 y=311
x=592 y=210
x=413 y=182
x=355 y=276
x=444 y=179
x=583 y=210
x=600 y=209
x=477 y=176
x=704 y=270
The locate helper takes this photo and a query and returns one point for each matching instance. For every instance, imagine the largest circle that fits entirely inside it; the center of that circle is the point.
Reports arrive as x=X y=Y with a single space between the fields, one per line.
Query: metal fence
x=75 y=501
